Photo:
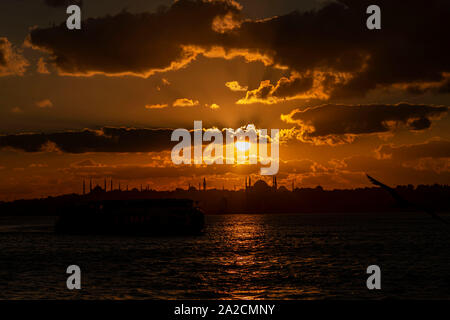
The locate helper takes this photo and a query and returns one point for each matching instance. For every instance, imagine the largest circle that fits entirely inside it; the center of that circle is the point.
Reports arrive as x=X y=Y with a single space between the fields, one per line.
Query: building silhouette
x=264 y=197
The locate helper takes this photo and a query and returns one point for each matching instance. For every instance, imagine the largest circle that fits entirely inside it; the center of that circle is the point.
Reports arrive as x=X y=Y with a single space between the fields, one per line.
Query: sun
x=242 y=146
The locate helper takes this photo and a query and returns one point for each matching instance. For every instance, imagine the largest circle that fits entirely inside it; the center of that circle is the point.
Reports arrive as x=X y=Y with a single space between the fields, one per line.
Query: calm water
x=308 y=256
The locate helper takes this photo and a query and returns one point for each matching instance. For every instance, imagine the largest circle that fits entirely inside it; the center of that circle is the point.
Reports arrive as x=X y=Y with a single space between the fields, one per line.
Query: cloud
x=333 y=124
x=107 y=139
x=226 y=23
x=88 y=163
x=156 y=106
x=38 y=165
x=134 y=44
x=289 y=87
x=185 y=103
x=316 y=46
x=46 y=103
x=431 y=155
x=213 y=106
x=334 y=39
x=261 y=95
x=164 y=83
x=310 y=85
x=42 y=66
x=439 y=165
x=2 y=54
x=295 y=87
x=16 y=110
x=434 y=148
x=62 y=3
x=235 y=86
x=11 y=60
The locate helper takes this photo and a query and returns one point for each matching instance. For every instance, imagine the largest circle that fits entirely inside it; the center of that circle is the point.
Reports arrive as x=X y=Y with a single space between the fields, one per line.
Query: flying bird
x=404 y=203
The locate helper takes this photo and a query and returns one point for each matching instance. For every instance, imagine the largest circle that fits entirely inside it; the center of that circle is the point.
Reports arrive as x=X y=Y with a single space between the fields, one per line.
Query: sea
x=240 y=256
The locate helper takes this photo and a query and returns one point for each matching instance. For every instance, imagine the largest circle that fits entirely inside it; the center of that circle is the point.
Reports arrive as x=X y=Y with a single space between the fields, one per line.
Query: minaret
x=141 y=187
x=105 y=185
x=111 y=185
x=249 y=182
x=84 y=187
x=204 y=184
x=246 y=186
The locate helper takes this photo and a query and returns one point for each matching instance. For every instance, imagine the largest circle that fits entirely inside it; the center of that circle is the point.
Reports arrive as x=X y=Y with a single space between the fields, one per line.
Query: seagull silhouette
x=404 y=203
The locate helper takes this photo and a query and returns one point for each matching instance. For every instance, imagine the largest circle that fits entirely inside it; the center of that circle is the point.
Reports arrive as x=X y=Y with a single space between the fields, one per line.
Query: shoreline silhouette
x=259 y=197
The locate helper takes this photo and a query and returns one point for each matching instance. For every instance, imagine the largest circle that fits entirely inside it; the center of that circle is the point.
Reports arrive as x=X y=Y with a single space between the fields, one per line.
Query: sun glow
x=243 y=146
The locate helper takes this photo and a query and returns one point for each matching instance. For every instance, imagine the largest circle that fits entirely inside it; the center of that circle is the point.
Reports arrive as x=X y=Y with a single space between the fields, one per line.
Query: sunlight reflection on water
x=309 y=256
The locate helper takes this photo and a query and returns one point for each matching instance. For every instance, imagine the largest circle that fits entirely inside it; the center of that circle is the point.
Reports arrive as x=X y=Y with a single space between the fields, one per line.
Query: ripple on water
x=308 y=256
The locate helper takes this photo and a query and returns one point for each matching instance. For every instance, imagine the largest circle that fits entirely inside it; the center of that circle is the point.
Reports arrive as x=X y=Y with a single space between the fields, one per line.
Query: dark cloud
x=62 y=3
x=134 y=43
x=410 y=47
x=332 y=44
x=3 y=45
x=432 y=87
x=107 y=139
x=85 y=163
x=292 y=86
x=430 y=156
x=435 y=148
x=285 y=88
x=2 y=58
x=420 y=123
x=12 y=62
x=445 y=86
x=331 y=121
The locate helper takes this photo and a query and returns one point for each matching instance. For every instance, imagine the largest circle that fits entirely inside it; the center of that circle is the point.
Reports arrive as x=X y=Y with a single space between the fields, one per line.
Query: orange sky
x=100 y=102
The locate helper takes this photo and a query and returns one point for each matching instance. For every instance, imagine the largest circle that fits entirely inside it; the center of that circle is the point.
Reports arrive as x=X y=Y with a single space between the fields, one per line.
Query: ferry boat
x=132 y=217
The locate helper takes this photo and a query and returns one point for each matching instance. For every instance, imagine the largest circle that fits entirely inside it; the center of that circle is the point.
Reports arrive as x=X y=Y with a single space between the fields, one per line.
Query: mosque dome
x=261 y=186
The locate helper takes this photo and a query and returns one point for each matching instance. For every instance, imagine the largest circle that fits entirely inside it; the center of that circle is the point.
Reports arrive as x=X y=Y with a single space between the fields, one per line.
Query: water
x=307 y=256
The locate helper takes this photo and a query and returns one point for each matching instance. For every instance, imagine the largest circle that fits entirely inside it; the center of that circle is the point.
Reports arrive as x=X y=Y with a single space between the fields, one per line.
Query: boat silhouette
x=132 y=217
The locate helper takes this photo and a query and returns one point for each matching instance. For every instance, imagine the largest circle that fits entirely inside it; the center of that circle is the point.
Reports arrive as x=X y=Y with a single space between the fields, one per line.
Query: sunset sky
x=102 y=102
